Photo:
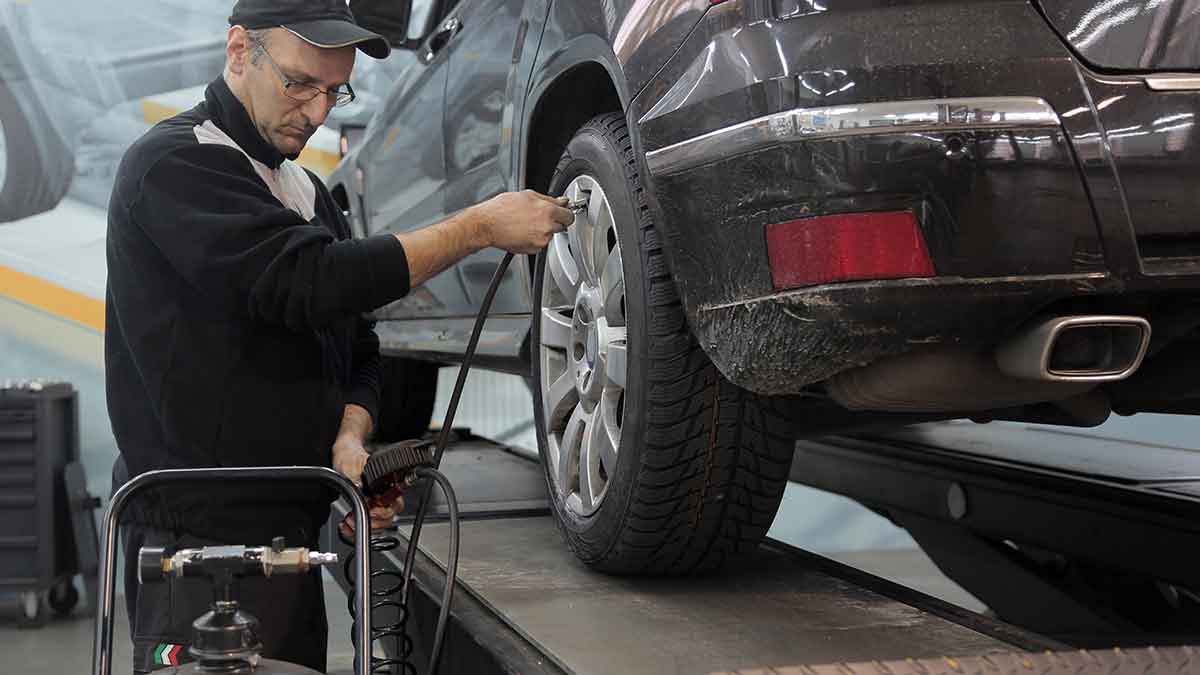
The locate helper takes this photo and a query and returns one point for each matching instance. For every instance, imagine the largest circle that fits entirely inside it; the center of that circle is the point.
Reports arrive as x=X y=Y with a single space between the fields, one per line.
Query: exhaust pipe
x=1053 y=360
x=940 y=380
x=1077 y=349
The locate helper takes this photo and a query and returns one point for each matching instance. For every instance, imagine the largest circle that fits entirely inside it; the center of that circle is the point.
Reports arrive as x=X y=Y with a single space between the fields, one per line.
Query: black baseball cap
x=323 y=23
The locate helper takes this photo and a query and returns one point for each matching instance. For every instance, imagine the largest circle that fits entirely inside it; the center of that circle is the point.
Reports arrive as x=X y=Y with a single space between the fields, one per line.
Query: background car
x=65 y=65
x=801 y=218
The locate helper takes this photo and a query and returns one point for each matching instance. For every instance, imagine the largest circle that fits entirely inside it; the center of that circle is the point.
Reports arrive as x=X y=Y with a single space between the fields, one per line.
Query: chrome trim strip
x=1173 y=82
x=863 y=119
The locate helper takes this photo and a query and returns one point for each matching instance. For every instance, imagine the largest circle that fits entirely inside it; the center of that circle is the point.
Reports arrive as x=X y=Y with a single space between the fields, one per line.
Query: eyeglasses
x=298 y=91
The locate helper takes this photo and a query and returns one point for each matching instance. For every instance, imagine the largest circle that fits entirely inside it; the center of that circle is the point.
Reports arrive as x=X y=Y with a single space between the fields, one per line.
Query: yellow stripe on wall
x=156 y=112
x=318 y=161
x=52 y=299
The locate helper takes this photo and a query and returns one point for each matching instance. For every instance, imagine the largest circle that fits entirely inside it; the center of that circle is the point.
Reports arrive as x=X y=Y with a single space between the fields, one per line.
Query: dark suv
x=803 y=216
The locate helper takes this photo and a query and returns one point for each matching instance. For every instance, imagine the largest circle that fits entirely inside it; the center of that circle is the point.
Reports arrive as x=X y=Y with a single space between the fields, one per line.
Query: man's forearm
x=432 y=249
x=356 y=424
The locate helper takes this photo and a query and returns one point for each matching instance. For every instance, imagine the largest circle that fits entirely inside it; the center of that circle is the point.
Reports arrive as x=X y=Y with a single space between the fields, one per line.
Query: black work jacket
x=234 y=333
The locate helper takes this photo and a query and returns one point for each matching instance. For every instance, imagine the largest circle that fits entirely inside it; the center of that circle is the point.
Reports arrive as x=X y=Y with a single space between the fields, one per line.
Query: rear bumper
x=993 y=176
x=779 y=343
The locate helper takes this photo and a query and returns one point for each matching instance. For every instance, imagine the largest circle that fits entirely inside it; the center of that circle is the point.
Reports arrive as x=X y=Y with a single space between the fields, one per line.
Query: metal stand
x=1088 y=559
x=102 y=647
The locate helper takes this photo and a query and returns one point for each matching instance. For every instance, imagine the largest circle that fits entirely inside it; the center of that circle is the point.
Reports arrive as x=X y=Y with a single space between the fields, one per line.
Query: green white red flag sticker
x=167 y=654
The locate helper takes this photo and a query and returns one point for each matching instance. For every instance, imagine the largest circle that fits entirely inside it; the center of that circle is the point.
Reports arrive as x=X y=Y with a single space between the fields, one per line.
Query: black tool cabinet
x=47 y=531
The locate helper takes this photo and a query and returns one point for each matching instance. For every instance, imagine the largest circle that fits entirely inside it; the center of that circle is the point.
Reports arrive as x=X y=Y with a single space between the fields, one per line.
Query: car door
x=484 y=55
x=403 y=172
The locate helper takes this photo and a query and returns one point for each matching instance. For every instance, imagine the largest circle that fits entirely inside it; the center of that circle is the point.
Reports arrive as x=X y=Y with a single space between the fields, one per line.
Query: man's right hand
x=518 y=222
x=523 y=222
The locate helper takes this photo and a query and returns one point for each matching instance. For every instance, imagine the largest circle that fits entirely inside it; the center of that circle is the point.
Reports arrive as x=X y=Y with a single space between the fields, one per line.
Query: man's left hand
x=349 y=459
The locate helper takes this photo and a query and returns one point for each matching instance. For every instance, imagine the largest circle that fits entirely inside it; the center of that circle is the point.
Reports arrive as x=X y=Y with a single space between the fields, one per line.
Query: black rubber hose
x=468 y=357
x=439 y=634
x=442 y=441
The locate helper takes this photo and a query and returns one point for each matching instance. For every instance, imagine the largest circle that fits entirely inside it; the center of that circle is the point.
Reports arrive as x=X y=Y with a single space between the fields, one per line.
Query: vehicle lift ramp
x=526 y=605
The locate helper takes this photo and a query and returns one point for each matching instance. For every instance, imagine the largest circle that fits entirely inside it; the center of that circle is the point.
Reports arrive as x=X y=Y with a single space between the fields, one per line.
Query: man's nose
x=318 y=109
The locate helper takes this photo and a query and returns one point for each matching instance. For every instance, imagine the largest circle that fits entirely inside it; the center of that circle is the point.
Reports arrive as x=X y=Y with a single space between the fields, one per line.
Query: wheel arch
x=556 y=115
x=564 y=81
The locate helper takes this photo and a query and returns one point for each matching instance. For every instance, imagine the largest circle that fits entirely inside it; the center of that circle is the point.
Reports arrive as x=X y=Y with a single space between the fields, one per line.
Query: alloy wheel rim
x=583 y=351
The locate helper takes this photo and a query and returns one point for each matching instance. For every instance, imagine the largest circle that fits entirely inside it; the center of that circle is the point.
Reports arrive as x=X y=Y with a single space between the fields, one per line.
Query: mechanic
x=234 y=330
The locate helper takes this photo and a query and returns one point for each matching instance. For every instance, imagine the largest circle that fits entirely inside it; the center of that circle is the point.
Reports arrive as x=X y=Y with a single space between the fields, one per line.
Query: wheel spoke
x=606 y=435
x=616 y=363
x=581 y=246
x=563 y=268
x=589 y=458
x=612 y=288
x=570 y=472
x=556 y=329
x=573 y=191
x=555 y=457
x=559 y=398
x=600 y=213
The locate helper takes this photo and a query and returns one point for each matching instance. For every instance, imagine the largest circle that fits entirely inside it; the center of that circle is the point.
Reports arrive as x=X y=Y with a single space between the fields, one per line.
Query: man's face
x=283 y=121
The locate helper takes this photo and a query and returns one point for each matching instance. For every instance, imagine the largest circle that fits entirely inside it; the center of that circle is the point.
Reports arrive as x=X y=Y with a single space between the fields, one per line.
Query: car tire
x=700 y=465
x=407 y=394
x=33 y=177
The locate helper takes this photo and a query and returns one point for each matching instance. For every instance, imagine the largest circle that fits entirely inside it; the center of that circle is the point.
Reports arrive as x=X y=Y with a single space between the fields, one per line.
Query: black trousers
x=290 y=608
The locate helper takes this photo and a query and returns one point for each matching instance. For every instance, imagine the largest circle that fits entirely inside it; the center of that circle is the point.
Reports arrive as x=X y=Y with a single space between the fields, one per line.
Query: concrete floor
x=64 y=645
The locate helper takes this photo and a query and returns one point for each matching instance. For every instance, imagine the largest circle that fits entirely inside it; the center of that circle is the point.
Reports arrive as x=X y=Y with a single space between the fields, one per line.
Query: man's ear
x=237 y=50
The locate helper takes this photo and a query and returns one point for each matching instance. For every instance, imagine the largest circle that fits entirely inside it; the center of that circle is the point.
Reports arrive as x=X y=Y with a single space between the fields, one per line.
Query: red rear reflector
x=847 y=247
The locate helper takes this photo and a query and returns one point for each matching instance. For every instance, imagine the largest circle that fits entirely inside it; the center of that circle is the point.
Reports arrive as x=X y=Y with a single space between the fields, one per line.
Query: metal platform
x=526 y=605
x=1101 y=547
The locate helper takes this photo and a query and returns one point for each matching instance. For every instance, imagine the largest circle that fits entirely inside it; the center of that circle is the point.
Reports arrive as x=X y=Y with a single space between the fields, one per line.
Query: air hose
x=386 y=474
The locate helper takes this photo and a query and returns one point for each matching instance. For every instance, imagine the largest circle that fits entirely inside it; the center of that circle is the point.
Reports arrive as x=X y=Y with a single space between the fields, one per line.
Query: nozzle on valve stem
x=316 y=558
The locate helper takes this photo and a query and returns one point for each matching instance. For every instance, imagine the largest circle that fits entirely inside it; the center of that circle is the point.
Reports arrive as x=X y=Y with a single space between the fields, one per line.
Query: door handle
x=442 y=37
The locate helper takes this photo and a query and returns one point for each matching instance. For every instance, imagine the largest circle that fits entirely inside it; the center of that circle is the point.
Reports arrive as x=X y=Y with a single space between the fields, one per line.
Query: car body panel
x=478 y=160
x=1142 y=36
x=403 y=174
x=645 y=33
x=486 y=61
x=1148 y=140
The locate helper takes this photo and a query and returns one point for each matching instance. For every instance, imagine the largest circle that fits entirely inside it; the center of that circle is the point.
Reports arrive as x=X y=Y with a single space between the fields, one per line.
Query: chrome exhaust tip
x=1077 y=349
